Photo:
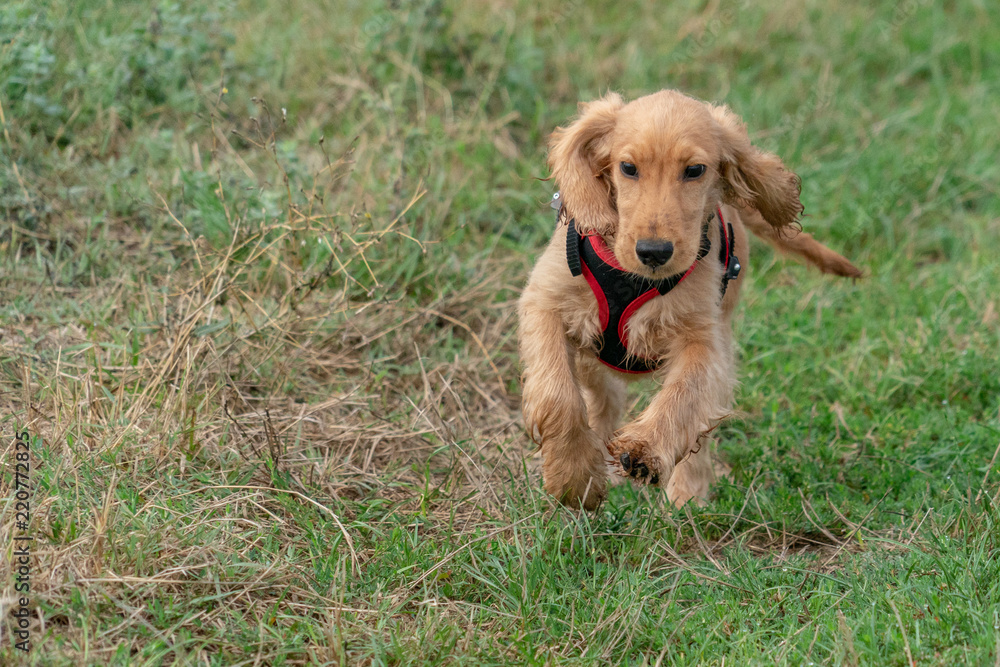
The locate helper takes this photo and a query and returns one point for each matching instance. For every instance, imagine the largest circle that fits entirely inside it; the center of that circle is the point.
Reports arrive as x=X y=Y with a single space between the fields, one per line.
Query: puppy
x=642 y=276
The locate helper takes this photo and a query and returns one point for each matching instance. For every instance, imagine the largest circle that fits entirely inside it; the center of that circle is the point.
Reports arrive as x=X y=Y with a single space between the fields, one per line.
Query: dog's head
x=650 y=173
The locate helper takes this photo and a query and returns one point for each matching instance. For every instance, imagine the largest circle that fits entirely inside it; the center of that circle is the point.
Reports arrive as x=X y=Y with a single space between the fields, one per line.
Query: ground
x=260 y=263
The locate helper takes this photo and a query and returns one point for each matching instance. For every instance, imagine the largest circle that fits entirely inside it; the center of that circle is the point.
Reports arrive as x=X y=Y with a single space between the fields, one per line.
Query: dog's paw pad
x=635 y=462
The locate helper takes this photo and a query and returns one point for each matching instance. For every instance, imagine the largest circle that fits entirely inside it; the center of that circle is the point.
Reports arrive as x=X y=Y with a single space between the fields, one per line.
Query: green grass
x=256 y=310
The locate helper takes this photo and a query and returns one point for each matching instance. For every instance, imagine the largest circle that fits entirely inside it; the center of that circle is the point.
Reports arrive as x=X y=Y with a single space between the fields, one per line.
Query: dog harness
x=620 y=294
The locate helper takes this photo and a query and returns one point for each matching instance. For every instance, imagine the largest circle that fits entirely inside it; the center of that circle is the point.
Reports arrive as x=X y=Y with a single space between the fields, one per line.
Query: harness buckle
x=733 y=269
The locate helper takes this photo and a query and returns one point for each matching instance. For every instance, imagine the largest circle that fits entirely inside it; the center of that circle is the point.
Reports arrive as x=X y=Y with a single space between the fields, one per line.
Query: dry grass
x=239 y=371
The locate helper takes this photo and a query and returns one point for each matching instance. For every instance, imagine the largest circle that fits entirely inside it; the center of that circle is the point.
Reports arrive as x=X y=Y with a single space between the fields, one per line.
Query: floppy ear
x=579 y=156
x=753 y=178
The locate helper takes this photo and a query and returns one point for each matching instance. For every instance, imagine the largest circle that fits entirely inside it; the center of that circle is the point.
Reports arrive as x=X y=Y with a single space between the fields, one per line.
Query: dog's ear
x=754 y=178
x=580 y=157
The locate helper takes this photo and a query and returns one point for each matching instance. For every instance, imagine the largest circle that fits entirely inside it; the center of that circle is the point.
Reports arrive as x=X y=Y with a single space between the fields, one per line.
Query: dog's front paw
x=580 y=489
x=638 y=460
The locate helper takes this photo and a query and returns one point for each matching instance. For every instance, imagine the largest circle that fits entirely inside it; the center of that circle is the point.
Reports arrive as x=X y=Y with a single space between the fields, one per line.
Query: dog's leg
x=554 y=410
x=694 y=475
x=604 y=393
x=695 y=396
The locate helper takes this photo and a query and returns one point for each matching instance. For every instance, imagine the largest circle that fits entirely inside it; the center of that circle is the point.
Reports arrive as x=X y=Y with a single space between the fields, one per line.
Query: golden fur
x=571 y=402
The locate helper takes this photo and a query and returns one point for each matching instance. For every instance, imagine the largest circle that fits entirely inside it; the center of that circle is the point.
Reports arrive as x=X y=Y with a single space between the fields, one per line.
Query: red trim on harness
x=607 y=256
x=603 y=312
x=602 y=301
x=630 y=309
x=623 y=370
x=600 y=246
x=638 y=303
x=725 y=236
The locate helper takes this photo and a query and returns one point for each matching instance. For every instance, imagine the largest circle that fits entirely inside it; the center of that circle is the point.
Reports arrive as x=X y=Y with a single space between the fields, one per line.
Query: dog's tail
x=799 y=243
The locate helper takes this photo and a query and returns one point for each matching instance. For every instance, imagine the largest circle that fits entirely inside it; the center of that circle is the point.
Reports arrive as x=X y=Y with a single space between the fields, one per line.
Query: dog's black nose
x=654 y=253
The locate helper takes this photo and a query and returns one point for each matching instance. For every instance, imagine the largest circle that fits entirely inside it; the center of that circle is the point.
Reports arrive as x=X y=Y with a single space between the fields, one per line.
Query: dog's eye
x=694 y=171
x=629 y=169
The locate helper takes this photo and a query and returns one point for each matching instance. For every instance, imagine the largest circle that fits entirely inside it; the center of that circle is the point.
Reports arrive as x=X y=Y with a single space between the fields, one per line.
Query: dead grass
x=242 y=373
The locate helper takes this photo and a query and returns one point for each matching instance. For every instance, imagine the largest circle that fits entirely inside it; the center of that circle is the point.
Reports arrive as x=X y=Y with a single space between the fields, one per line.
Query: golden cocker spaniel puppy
x=642 y=275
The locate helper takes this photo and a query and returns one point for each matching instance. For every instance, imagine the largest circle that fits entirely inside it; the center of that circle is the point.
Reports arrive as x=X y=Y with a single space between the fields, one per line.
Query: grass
x=259 y=268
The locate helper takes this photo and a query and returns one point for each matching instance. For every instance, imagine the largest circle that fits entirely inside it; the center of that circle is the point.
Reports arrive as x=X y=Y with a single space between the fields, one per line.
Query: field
x=259 y=268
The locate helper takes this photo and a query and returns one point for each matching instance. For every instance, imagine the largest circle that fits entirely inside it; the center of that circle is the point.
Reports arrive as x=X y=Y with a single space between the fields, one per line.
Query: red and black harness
x=620 y=294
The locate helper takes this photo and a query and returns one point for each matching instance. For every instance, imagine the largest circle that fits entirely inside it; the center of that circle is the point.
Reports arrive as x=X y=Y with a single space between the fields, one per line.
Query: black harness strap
x=727 y=256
